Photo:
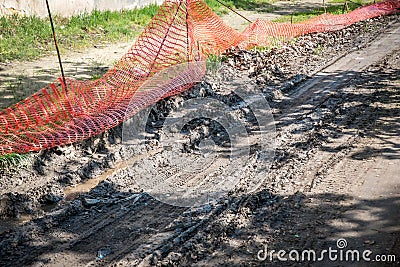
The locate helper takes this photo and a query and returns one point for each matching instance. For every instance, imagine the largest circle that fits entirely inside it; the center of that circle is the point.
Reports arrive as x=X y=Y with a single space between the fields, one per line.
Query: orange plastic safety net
x=182 y=33
x=261 y=32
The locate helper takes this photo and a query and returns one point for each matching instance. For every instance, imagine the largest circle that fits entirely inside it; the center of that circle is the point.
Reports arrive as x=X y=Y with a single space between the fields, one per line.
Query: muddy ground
x=335 y=101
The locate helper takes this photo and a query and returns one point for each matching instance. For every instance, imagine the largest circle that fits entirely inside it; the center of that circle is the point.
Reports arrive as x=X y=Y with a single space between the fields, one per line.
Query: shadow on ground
x=129 y=229
x=16 y=87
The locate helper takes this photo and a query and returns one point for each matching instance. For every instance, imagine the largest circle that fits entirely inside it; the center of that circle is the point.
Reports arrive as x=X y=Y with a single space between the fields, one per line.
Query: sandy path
x=21 y=79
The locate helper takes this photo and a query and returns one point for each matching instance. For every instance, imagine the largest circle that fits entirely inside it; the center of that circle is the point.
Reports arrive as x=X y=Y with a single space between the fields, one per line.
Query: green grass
x=214 y=61
x=336 y=8
x=30 y=37
x=12 y=160
x=218 y=8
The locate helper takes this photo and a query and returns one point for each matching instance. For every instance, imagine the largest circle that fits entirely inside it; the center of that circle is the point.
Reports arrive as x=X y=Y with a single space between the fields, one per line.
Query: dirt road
x=335 y=173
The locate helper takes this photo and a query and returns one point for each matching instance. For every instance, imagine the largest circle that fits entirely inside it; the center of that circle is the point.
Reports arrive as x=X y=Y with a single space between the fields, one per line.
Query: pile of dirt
x=236 y=226
x=41 y=180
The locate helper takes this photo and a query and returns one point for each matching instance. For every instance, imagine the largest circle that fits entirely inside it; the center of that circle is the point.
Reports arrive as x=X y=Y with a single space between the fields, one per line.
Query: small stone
x=369 y=242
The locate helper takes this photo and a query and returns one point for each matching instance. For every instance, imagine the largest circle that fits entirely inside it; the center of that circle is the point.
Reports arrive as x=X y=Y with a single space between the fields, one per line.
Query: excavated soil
x=335 y=100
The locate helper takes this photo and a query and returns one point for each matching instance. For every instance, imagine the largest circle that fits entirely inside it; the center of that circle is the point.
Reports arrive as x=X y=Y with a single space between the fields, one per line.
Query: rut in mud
x=334 y=97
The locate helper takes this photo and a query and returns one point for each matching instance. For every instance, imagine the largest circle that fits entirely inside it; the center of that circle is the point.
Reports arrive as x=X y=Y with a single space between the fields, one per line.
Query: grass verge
x=30 y=37
x=336 y=8
x=12 y=160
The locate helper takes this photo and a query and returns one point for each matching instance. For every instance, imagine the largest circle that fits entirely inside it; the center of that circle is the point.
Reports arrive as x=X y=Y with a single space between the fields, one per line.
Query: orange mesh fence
x=182 y=33
x=60 y=114
x=261 y=32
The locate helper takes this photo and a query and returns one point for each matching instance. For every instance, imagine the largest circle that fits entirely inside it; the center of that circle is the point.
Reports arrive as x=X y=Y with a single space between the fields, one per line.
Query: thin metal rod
x=56 y=44
x=344 y=7
x=234 y=11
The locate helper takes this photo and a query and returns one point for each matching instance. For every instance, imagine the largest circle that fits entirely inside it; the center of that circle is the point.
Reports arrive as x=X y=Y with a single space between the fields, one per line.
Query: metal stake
x=234 y=11
x=55 y=43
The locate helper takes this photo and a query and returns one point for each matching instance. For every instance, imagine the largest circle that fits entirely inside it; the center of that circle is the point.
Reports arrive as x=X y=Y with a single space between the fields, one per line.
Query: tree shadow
x=129 y=228
x=114 y=222
x=15 y=87
x=351 y=101
x=308 y=222
x=110 y=219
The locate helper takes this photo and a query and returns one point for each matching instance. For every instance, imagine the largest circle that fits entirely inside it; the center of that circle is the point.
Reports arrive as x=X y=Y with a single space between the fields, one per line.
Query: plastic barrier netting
x=183 y=32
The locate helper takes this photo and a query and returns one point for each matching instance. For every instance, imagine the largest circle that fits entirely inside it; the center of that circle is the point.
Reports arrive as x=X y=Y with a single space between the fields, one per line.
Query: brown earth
x=335 y=174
